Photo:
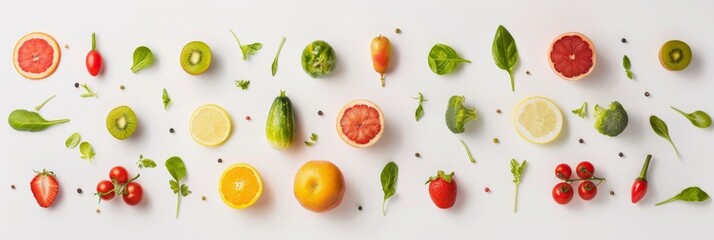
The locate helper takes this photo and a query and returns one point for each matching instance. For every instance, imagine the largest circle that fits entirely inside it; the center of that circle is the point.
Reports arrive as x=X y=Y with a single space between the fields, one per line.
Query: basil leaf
x=661 y=129
x=73 y=140
x=86 y=150
x=420 y=110
x=389 y=176
x=274 y=67
x=690 y=194
x=444 y=59
x=23 y=120
x=176 y=168
x=165 y=99
x=142 y=58
x=627 y=65
x=505 y=53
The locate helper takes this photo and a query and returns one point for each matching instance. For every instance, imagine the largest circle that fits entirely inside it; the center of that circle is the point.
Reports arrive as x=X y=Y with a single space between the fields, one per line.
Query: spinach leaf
x=389 y=176
x=23 y=120
x=87 y=151
x=504 y=52
x=177 y=169
x=660 y=128
x=698 y=118
x=73 y=140
x=142 y=58
x=165 y=99
x=274 y=67
x=690 y=194
x=444 y=59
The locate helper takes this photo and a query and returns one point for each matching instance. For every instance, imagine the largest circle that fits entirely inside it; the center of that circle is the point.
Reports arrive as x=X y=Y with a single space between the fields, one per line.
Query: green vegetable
x=690 y=194
x=23 y=120
x=504 y=52
x=457 y=115
x=318 y=59
x=38 y=107
x=177 y=170
x=582 y=111
x=661 y=129
x=142 y=59
x=87 y=151
x=626 y=63
x=280 y=127
x=389 y=182
x=145 y=162
x=420 y=110
x=249 y=49
x=73 y=140
x=243 y=84
x=698 y=118
x=274 y=67
x=313 y=140
x=612 y=121
x=517 y=171
x=87 y=92
x=468 y=152
x=165 y=99
x=444 y=59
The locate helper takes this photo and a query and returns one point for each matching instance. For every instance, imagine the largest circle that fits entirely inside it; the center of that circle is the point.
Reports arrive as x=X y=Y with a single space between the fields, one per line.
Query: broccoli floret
x=457 y=115
x=612 y=121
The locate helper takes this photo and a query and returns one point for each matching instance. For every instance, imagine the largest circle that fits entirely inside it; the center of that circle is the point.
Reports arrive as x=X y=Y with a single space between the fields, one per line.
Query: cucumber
x=280 y=128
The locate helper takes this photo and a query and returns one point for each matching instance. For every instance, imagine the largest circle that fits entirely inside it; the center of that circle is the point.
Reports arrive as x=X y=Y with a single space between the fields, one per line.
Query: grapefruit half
x=360 y=123
x=572 y=56
x=36 y=55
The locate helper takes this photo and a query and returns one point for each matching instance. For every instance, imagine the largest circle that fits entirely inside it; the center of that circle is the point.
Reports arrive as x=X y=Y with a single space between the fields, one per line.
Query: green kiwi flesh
x=675 y=55
x=121 y=122
x=195 y=57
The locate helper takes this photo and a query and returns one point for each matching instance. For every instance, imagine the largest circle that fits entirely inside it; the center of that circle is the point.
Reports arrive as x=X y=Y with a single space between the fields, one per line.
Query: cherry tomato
x=105 y=189
x=94 y=62
x=587 y=190
x=120 y=174
x=562 y=193
x=585 y=170
x=563 y=171
x=133 y=194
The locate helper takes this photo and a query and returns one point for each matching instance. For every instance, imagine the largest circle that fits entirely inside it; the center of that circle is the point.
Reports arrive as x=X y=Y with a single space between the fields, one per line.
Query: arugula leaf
x=504 y=52
x=243 y=84
x=420 y=110
x=582 y=111
x=249 y=49
x=142 y=58
x=174 y=186
x=468 y=152
x=88 y=92
x=177 y=169
x=87 y=151
x=313 y=137
x=145 y=162
x=389 y=176
x=444 y=59
x=165 y=99
x=274 y=67
x=517 y=171
x=690 y=194
x=73 y=140
x=661 y=129
x=626 y=63
x=38 y=107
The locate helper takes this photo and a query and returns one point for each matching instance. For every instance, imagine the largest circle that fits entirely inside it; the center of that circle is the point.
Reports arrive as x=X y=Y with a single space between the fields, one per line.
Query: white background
x=349 y=27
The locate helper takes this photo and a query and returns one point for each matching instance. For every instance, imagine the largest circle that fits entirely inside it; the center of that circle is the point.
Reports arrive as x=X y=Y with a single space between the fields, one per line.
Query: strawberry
x=442 y=189
x=45 y=187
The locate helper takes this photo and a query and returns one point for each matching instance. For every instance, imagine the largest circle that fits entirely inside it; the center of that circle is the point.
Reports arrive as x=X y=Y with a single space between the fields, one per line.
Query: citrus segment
x=210 y=125
x=538 y=120
x=360 y=123
x=240 y=186
x=572 y=56
x=36 y=55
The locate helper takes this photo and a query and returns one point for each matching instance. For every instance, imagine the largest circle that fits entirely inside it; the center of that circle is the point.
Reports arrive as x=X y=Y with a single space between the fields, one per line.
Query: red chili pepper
x=639 y=187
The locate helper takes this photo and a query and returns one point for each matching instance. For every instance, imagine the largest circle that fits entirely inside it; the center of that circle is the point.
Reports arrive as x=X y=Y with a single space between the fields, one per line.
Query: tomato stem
x=601 y=180
x=643 y=173
x=381 y=77
x=94 y=42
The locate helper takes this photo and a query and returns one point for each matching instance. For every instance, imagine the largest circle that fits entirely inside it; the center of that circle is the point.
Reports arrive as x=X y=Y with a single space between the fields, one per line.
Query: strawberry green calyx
x=442 y=175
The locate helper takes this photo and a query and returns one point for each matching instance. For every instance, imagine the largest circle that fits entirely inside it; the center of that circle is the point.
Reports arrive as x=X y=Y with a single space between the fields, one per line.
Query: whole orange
x=319 y=186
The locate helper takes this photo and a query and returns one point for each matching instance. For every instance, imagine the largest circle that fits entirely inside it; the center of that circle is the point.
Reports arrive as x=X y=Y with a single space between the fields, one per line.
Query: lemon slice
x=538 y=120
x=210 y=125
x=240 y=186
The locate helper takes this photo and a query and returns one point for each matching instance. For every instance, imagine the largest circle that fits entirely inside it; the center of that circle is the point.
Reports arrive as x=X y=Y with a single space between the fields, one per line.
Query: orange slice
x=240 y=186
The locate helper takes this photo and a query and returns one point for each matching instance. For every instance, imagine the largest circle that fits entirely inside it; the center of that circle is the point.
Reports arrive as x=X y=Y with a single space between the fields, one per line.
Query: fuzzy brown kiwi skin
x=131 y=124
x=684 y=48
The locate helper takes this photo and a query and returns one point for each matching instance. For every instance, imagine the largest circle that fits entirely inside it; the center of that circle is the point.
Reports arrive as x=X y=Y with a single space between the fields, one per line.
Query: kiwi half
x=195 y=57
x=675 y=55
x=122 y=122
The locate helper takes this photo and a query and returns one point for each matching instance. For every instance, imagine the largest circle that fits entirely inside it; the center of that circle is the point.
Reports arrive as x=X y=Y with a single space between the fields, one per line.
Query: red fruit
x=585 y=170
x=94 y=59
x=36 y=55
x=119 y=174
x=134 y=193
x=105 y=190
x=639 y=187
x=360 y=123
x=587 y=190
x=562 y=193
x=572 y=56
x=381 y=51
x=442 y=189
x=44 y=187
x=563 y=171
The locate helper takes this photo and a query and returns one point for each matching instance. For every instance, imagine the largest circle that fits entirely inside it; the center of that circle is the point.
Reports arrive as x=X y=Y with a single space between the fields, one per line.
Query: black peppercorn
x=220 y=160
x=319 y=113
x=76 y=85
x=581 y=141
x=171 y=130
x=624 y=40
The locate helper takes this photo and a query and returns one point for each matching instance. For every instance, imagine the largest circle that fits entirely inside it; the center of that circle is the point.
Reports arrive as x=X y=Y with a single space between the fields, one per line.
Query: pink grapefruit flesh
x=360 y=123
x=36 y=56
x=572 y=56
